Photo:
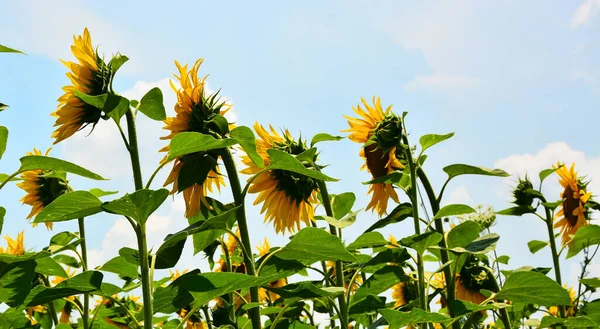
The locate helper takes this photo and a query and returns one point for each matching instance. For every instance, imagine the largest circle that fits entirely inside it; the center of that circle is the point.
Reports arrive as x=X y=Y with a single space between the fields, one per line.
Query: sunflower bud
x=522 y=197
x=388 y=132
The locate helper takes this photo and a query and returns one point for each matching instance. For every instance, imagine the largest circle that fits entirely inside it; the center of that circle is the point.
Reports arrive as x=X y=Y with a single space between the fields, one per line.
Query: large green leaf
x=453 y=210
x=85 y=282
x=48 y=266
x=323 y=137
x=380 y=281
x=14 y=319
x=586 y=236
x=106 y=102
x=480 y=246
x=460 y=307
x=385 y=257
x=5 y=49
x=342 y=204
x=3 y=139
x=420 y=242
x=463 y=234
x=430 y=140
x=152 y=105
x=169 y=252
x=533 y=287
x=138 y=205
x=397 y=319
x=306 y=290
x=400 y=213
x=15 y=282
x=284 y=161
x=198 y=288
x=35 y=162
x=204 y=236
x=120 y=266
x=70 y=206
x=311 y=244
x=117 y=61
x=340 y=223
x=368 y=240
x=192 y=142
x=575 y=322
x=245 y=137
x=463 y=169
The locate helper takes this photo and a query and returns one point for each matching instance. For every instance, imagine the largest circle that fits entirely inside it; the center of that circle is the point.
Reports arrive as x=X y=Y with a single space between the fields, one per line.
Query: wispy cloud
x=585 y=13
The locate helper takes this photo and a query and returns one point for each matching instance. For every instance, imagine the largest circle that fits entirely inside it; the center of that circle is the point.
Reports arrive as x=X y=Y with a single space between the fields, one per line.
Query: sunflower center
x=569 y=205
x=297 y=187
x=50 y=188
x=377 y=159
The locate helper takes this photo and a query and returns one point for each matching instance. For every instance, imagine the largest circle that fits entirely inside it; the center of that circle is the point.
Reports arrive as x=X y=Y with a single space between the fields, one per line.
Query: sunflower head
x=472 y=278
x=404 y=292
x=90 y=75
x=196 y=174
x=264 y=248
x=379 y=132
x=577 y=202
x=42 y=187
x=14 y=247
x=571 y=311
x=522 y=197
x=288 y=198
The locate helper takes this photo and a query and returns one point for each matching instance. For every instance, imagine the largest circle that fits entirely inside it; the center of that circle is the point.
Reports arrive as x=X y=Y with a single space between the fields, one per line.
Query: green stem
x=9 y=178
x=134 y=151
x=154 y=174
x=555 y=260
x=503 y=312
x=236 y=189
x=86 y=297
x=327 y=283
x=339 y=268
x=51 y=308
x=206 y=317
x=439 y=227
x=415 y=206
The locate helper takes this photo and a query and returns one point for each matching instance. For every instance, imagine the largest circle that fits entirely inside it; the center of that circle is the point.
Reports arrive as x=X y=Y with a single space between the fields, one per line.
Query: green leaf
x=591 y=282
x=311 y=244
x=463 y=169
x=117 y=61
x=70 y=206
x=2 y=214
x=67 y=260
x=430 y=140
x=105 y=102
x=576 y=322
x=420 y=242
x=35 y=162
x=460 y=307
x=152 y=105
x=3 y=139
x=586 y=236
x=130 y=255
x=536 y=245
x=545 y=173
x=5 y=49
x=479 y=246
x=48 y=266
x=170 y=251
x=193 y=142
x=389 y=255
x=342 y=204
x=391 y=178
x=369 y=303
x=133 y=103
x=516 y=211
x=204 y=236
x=453 y=210
x=306 y=290
x=3 y=177
x=533 y=287
x=324 y=137
x=245 y=137
x=382 y=280
x=400 y=213
x=62 y=241
x=503 y=259
x=100 y=193
x=15 y=282
x=342 y=223
x=552 y=205
x=120 y=266
x=368 y=240
x=3 y=107
x=397 y=319
x=463 y=234
x=284 y=161
x=138 y=205
x=85 y=282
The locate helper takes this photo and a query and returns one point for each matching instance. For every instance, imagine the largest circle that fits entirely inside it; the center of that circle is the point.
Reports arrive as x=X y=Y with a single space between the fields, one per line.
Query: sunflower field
x=443 y=273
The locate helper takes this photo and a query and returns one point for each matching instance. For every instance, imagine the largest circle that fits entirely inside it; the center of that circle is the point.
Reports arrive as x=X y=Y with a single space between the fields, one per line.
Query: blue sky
x=517 y=82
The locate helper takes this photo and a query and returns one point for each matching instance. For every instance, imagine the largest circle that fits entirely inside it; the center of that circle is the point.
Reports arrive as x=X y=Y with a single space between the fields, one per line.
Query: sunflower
x=466 y=292
x=379 y=132
x=14 y=247
x=554 y=309
x=196 y=112
x=288 y=198
x=574 y=212
x=31 y=312
x=42 y=187
x=193 y=321
x=404 y=292
x=263 y=294
x=90 y=76
x=349 y=273
x=59 y=279
x=234 y=253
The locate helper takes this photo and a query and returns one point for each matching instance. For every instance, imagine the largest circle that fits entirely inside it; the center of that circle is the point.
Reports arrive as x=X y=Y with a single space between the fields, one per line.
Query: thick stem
x=439 y=227
x=555 y=260
x=327 y=283
x=86 y=297
x=236 y=189
x=339 y=268
x=134 y=151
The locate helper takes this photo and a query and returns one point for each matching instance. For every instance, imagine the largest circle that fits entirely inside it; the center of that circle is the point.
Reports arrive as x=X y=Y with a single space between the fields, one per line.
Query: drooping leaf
x=463 y=169
x=503 y=259
x=397 y=319
x=85 y=282
x=284 y=161
x=536 y=245
x=463 y=234
x=5 y=49
x=545 y=173
x=311 y=244
x=34 y=162
x=120 y=266
x=15 y=282
x=453 y=210
x=323 y=137
x=586 y=236
x=117 y=61
x=203 y=233
x=480 y=246
x=106 y=102
x=169 y=252
x=400 y=213
x=100 y=193
x=72 y=205
x=420 y=242
x=245 y=137
x=138 y=205
x=68 y=260
x=430 y=140
x=368 y=240
x=3 y=139
x=152 y=105
x=306 y=290
x=533 y=287
x=342 y=204
x=591 y=282
x=192 y=142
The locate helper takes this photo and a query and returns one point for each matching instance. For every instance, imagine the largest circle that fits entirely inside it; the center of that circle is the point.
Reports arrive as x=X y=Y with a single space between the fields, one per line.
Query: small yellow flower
x=379 y=161
x=59 y=279
x=14 y=247
x=571 y=311
x=175 y=275
x=264 y=248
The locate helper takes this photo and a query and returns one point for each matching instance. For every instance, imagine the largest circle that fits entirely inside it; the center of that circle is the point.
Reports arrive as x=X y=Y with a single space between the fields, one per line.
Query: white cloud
x=460 y=195
x=441 y=83
x=584 y=13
